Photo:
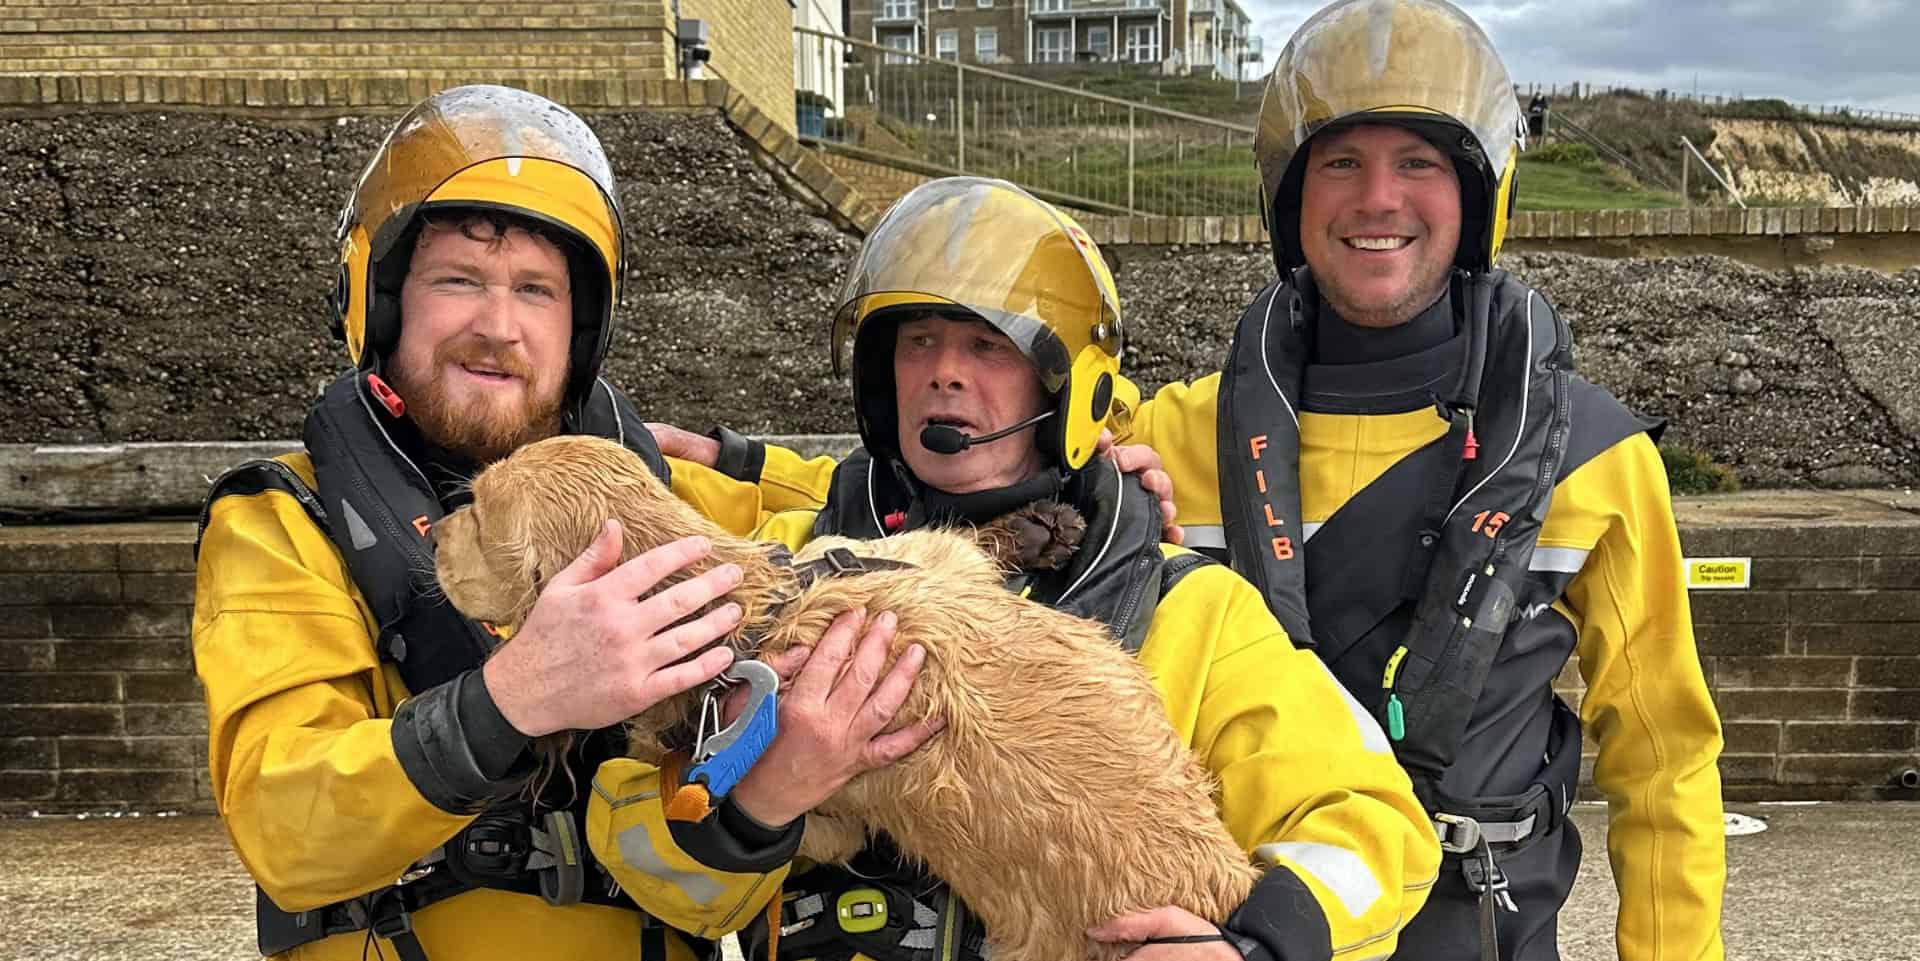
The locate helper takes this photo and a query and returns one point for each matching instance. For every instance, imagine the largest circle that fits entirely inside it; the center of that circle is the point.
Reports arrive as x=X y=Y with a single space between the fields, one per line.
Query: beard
x=484 y=432
x=1428 y=282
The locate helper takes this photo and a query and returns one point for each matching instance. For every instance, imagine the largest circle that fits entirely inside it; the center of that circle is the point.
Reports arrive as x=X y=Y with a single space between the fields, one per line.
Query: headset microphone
x=942 y=439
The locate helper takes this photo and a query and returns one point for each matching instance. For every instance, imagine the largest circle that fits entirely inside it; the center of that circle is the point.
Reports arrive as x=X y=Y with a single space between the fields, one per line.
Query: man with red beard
x=368 y=746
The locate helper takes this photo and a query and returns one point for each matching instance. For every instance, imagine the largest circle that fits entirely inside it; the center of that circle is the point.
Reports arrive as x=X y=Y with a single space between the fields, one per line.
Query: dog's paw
x=1037 y=537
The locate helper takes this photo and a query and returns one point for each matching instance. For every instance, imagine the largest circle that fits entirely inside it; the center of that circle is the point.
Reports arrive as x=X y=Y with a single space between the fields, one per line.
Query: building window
x=897 y=10
x=1052 y=45
x=1049 y=6
x=900 y=41
x=986 y=44
x=1143 y=4
x=944 y=4
x=1100 y=42
x=946 y=44
x=983 y=4
x=1143 y=43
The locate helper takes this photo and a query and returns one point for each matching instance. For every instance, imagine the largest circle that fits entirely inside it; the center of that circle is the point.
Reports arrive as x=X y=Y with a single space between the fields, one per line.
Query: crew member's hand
x=1145 y=461
x=832 y=717
x=1205 y=942
x=685 y=444
x=594 y=652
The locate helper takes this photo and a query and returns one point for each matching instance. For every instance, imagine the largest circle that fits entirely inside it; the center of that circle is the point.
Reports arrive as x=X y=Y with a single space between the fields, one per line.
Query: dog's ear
x=554 y=531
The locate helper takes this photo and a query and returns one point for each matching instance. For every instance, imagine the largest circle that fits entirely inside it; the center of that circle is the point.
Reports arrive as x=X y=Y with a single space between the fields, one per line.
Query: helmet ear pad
x=384 y=282
x=1284 y=218
x=1476 y=221
x=592 y=316
x=876 y=408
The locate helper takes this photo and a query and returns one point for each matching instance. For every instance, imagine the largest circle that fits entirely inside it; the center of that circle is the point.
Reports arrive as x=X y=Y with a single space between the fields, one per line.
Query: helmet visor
x=1402 y=58
x=993 y=250
x=457 y=129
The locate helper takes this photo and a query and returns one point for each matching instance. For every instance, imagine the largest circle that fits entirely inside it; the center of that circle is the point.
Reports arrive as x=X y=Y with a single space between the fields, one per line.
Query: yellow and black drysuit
x=353 y=744
x=1308 y=784
x=366 y=777
x=1446 y=567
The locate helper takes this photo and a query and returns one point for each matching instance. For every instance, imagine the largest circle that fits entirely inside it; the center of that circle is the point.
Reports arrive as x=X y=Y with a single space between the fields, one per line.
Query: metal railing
x=1565 y=127
x=1731 y=105
x=1125 y=8
x=1686 y=164
x=939 y=117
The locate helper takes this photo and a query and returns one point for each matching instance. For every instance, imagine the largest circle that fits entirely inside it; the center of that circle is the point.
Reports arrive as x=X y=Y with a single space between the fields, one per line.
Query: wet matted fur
x=1058 y=796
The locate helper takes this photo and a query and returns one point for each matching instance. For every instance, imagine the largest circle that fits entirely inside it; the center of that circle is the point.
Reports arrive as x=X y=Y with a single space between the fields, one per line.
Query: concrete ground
x=1825 y=882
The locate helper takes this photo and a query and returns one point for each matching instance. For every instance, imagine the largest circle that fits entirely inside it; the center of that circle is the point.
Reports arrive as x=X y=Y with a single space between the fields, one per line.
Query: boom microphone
x=942 y=439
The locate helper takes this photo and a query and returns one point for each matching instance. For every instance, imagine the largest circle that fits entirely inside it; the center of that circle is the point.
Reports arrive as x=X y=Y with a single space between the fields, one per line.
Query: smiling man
x=369 y=747
x=1400 y=458
x=489 y=316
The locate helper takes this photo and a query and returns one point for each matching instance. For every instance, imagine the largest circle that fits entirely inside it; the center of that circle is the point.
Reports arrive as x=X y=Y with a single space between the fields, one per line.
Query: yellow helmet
x=985 y=250
x=482 y=149
x=1420 y=64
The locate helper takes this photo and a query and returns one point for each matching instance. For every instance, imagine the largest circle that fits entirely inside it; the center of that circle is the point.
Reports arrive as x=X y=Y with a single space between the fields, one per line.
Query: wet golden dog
x=1058 y=796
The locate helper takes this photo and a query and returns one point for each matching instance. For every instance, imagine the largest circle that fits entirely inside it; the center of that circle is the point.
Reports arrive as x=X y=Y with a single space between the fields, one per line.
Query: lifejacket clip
x=721 y=756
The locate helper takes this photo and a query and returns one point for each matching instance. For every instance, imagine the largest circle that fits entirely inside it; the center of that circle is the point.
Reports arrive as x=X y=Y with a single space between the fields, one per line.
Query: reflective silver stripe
x=1493 y=832
x=636 y=849
x=1337 y=869
x=1204 y=535
x=1215 y=536
x=1507 y=832
x=1562 y=560
x=1371 y=736
x=1307 y=530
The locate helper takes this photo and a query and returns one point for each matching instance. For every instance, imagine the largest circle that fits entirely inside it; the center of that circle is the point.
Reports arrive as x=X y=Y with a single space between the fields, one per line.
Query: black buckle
x=394 y=925
x=1458 y=834
x=839 y=561
x=1485 y=878
x=493 y=848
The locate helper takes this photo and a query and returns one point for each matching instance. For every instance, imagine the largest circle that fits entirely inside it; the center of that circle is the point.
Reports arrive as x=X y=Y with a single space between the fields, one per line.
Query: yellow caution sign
x=1719 y=573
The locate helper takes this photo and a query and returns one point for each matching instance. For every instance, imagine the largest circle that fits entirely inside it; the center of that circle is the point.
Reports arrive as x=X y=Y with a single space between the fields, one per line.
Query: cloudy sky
x=1863 y=53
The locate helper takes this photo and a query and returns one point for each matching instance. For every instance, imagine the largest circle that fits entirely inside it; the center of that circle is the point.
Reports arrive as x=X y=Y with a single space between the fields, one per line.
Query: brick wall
x=256 y=37
x=420 y=44
x=99 y=708
x=752 y=50
x=1816 y=668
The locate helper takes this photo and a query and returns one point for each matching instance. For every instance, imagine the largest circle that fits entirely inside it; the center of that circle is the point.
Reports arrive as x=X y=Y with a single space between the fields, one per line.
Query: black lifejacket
x=1421 y=583
x=378 y=507
x=880 y=904
x=1469 y=523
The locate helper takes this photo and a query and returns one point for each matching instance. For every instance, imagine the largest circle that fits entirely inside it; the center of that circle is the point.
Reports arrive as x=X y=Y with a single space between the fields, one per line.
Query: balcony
x=1062 y=9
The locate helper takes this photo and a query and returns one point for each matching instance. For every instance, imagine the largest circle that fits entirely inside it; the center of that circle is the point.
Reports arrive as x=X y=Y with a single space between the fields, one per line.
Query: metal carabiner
x=721 y=756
